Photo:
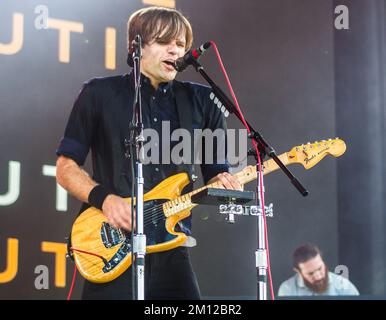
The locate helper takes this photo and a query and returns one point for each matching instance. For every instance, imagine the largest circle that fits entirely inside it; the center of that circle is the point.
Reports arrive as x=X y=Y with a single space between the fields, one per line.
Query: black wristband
x=98 y=195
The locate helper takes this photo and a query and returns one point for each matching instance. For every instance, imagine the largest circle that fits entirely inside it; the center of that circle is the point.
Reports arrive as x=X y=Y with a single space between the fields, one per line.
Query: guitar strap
x=184 y=105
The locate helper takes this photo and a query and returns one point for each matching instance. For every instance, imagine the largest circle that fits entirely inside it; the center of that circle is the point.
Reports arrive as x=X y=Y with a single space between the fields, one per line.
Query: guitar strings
x=102 y=246
x=159 y=217
x=149 y=218
x=158 y=214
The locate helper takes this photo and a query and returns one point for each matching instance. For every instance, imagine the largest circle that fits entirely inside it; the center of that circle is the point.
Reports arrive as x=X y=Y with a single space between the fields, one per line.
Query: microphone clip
x=136 y=47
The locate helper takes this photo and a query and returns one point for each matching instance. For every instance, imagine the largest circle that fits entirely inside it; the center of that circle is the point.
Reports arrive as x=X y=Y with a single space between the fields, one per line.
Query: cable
x=90 y=253
x=72 y=284
x=254 y=143
x=74 y=274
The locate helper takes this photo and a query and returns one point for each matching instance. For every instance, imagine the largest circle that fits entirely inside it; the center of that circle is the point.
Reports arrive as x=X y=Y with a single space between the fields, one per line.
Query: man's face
x=157 y=59
x=314 y=273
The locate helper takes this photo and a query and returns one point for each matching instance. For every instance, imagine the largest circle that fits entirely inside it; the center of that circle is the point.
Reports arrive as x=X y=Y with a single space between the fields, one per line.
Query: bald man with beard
x=312 y=277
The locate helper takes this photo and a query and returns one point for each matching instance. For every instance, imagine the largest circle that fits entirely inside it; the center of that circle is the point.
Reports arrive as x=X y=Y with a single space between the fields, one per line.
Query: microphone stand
x=137 y=139
x=264 y=149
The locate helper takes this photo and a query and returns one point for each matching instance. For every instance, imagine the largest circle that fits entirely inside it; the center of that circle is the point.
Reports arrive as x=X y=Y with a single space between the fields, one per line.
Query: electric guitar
x=102 y=252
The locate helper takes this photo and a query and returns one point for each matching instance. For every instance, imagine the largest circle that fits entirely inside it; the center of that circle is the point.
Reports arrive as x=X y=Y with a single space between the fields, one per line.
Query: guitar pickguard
x=154 y=229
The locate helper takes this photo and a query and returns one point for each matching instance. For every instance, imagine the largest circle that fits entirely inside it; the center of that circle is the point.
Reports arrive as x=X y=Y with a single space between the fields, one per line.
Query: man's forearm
x=74 y=179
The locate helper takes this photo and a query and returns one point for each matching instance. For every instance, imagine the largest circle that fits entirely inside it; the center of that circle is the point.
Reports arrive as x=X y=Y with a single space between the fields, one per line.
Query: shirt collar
x=165 y=88
x=299 y=281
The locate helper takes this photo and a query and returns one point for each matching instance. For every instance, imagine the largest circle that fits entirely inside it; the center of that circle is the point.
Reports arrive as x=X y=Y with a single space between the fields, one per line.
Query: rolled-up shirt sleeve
x=81 y=124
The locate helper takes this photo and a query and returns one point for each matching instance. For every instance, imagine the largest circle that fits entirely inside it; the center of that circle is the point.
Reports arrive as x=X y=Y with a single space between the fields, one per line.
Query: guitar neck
x=249 y=173
x=245 y=176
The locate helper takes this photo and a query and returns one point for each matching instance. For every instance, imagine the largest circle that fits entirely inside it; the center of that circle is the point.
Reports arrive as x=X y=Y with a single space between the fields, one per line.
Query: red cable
x=87 y=252
x=259 y=160
x=74 y=274
x=72 y=284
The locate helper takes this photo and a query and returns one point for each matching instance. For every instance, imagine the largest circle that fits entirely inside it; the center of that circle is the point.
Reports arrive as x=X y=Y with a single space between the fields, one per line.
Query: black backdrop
x=360 y=109
x=285 y=62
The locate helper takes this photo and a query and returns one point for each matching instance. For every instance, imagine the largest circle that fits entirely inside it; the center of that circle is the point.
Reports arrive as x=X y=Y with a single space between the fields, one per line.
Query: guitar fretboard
x=245 y=176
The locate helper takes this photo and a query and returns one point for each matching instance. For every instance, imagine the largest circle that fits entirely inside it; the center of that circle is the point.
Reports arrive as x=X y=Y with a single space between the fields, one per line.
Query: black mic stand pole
x=263 y=148
x=137 y=139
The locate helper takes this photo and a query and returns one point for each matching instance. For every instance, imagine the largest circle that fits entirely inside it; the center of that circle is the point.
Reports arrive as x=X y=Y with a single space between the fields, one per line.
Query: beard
x=318 y=286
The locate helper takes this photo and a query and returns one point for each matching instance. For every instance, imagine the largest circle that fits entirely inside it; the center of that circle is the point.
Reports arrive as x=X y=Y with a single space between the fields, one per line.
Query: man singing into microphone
x=100 y=120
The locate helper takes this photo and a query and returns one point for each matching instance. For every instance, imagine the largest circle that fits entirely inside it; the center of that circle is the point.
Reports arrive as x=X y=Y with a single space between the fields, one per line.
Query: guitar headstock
x=311 y=153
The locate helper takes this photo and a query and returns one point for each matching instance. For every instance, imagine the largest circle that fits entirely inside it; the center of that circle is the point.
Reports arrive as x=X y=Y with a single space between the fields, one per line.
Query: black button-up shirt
x=100 y=121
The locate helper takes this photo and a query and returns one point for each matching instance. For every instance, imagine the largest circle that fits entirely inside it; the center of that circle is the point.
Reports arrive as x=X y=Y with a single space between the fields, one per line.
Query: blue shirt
x=337 y=286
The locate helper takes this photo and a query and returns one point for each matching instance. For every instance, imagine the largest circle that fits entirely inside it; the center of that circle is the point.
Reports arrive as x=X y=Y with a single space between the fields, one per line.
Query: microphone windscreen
x=180 y=64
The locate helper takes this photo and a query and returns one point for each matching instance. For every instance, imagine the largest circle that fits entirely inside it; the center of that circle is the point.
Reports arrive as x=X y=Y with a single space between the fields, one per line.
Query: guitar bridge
x=118 y=257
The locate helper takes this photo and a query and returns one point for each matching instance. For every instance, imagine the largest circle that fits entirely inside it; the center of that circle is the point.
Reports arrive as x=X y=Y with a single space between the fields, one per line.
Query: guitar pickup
x=110 y=236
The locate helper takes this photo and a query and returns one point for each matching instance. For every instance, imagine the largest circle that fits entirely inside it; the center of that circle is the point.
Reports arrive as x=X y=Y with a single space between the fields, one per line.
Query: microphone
x=190 y=57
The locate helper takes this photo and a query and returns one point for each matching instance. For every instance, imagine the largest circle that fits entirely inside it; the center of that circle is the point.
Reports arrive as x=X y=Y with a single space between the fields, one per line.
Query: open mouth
x=169 y=63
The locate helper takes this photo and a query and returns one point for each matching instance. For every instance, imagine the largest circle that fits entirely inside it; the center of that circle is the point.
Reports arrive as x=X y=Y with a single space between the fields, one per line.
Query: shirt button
x=155 y=119
x=164 y=90
x=153 y=97
x=156 y=169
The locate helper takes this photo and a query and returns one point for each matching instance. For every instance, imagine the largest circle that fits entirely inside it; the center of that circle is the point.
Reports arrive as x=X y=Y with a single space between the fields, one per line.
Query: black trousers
x=168 y=275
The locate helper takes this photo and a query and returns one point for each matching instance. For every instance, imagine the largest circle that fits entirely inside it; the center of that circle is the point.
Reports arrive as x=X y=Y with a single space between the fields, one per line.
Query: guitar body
x=92 y=233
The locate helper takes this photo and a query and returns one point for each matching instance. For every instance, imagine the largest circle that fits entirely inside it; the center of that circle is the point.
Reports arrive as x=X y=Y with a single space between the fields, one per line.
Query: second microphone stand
x=264 y=149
